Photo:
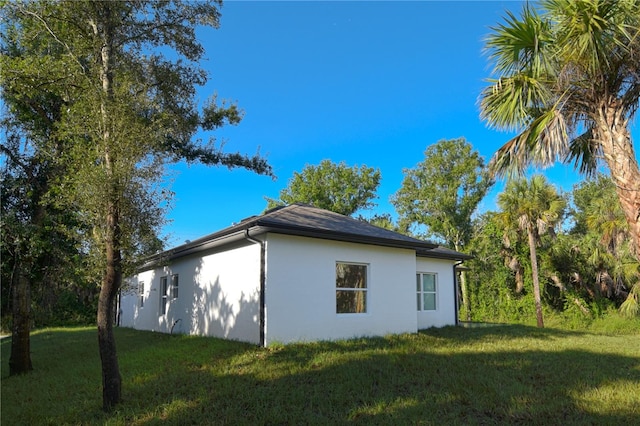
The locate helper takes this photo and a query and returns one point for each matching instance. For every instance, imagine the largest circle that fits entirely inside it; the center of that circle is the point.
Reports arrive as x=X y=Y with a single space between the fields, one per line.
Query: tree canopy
x=336 y=187
x=443 y=191
x=567 y=80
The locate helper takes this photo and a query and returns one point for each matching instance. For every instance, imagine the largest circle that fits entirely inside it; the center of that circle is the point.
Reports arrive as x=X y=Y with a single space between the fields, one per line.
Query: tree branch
x=53 y=34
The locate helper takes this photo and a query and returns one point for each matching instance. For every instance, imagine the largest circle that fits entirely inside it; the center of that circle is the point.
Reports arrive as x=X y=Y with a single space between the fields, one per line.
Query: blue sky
x=367 y=83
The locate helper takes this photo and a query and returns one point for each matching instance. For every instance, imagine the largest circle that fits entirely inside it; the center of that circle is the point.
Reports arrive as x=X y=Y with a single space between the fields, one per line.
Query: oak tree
x=336 y=187
x=127 y=73
x=442 y=192
x=37 y=243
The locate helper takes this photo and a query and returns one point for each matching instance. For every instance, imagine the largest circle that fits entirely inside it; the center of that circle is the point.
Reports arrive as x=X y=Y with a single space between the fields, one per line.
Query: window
x=174 y=287
x=141 y=294
x=163 y=295
x=426 y=286
x=351 y=288
x=167 y=292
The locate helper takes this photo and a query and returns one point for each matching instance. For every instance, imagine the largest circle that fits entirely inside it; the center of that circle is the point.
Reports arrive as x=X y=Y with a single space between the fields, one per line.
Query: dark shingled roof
x=308 y=221
x=301 y=218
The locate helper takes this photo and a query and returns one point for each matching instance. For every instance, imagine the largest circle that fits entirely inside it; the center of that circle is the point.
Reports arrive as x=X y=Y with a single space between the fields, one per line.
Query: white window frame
x=364 y=290
x=175 y=283
x=141 y=294
x=164 y=296
x=421 y=292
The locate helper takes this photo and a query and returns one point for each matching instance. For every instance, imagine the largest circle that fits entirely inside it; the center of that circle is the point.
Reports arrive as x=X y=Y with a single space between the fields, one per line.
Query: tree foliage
x=493 y=279
x=535 y=208
x=336 y=187
x=384 y=220
x=126 y=75
x=602 y=241
x=586 y=267
x=568 y=82
x=41 y=261
x=443 y=191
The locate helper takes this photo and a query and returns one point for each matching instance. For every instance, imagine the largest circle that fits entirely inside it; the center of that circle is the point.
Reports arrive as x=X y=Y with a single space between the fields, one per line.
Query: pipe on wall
x=262 y=283
x=456 y=294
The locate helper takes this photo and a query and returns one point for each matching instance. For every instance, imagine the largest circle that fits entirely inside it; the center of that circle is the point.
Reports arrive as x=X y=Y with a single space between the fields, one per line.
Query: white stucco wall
x=218 y=295
x=301 y=290
x=445 y=294
x=219 y=292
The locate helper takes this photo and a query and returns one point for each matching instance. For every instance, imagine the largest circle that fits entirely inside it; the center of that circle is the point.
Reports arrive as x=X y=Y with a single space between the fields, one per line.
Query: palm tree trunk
x=534 y=273
x=615 y=138
x=514 y=265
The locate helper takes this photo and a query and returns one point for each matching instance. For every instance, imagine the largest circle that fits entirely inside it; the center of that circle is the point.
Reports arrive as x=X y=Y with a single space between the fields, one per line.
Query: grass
x=493 y=375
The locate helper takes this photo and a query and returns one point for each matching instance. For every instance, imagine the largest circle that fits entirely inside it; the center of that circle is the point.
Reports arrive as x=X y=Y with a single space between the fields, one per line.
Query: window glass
x=163 y=295
x=141 y=294
x=351 y=302
x=351 y=276
x=174 y=287
x=351 y=288
x=429 y=301
x=429 y=282
x=426 y=292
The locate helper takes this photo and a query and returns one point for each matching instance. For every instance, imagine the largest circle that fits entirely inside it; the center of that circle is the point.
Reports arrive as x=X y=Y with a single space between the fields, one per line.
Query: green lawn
x=494 y=375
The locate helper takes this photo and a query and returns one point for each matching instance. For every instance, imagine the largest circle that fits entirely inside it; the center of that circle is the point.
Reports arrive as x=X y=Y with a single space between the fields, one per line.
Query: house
x=295 y=273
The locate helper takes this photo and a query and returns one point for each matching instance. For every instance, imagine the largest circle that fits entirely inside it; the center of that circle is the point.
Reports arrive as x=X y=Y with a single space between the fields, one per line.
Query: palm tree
x=617 y=268
x=569 y=85
x=534 y=207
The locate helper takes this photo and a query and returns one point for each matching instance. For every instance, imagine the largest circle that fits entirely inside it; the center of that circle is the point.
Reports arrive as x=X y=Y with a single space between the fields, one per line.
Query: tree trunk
x=111 y=379
x=563 y=289
x=466 y=301
x=617 y=147
x=24 y=267
x=465 y=294
x=20 y=359
x=514 y=265
x=534 y=273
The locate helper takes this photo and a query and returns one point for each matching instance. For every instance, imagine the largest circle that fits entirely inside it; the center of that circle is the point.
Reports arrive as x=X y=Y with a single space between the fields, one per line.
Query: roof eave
x=448 y=256
x=190 y=248
x=257 y=226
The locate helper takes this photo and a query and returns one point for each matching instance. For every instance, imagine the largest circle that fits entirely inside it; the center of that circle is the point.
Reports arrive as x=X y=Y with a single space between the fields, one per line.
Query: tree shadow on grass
x=383 y=381
x=500 y=331
x=438 y=376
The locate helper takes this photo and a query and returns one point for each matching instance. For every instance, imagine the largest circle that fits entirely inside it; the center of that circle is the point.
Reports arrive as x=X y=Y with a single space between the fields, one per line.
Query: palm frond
x=543 y=143
x=630 y=308
x=532 y=205
x=596 y=34
x=508 y=102
x=520 y=45
x=584 y=152
x=548 y=140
